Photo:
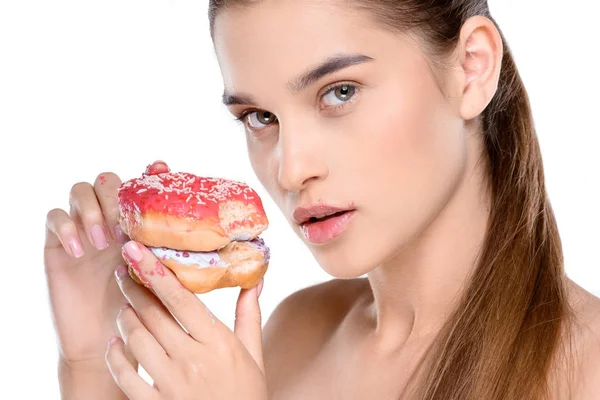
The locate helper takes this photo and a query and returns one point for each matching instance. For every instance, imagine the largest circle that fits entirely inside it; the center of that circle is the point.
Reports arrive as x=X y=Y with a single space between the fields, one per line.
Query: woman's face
x=339 y=112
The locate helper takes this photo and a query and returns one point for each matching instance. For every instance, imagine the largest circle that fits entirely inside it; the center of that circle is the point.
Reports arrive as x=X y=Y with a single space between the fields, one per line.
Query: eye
x=260 y=119
x=338 y=95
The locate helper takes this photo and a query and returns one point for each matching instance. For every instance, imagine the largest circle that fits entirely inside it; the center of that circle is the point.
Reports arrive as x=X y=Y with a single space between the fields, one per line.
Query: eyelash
x=242 y=117
x=244 y=114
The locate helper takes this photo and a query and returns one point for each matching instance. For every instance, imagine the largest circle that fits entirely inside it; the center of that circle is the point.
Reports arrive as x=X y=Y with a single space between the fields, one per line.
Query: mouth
x=325 y=217
x=318 y=212
x=322 y=223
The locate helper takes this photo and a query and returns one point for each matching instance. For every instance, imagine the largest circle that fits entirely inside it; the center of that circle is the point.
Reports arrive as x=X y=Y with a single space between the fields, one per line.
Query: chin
x=353 y=254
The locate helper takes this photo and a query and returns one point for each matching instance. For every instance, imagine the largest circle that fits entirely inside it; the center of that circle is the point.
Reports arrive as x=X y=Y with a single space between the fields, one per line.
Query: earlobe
x=481 y=58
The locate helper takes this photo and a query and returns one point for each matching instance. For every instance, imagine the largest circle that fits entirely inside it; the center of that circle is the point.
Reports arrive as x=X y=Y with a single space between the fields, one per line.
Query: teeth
x=319 y=216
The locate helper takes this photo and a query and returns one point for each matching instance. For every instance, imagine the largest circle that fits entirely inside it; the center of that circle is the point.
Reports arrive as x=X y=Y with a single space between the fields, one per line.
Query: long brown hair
x=503 y=338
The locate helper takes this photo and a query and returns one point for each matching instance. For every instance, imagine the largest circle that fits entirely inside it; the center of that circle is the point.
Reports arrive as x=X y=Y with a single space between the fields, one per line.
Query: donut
x=237 y=264
x=187 y=212
x=203 y=229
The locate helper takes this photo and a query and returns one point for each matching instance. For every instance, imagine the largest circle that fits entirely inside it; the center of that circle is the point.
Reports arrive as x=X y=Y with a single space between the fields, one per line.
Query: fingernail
x=98 y=237
x=126 y=305
x=259 y=287
x=133 y=251
x=120 y=235
x=121 y=271
x=112 y=340
x=76 y=249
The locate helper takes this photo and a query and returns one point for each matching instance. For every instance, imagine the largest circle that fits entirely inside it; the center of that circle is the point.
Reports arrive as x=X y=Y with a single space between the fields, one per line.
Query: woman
x=407 y=117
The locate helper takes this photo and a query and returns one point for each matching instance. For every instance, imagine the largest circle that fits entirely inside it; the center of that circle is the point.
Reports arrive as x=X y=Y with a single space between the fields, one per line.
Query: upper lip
x=302 y=214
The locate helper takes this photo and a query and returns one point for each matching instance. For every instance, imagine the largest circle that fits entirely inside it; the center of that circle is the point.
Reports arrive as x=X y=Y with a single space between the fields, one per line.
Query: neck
x=414 y=292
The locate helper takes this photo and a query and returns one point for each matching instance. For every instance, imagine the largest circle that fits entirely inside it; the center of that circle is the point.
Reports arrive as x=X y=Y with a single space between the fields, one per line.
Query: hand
x=197 y=358
x=81 y=251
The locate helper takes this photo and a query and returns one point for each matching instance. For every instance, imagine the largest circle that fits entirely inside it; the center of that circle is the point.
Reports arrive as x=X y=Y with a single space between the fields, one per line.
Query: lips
x=322 y=223
x=316 y=212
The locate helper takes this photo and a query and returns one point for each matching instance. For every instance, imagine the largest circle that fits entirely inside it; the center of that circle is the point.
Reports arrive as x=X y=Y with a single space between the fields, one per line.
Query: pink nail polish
x=113 y=340
x=99 y=237
x=75 y=247
x=133 y=251
x=259 y=287
x=121 y=271
x=120 y=235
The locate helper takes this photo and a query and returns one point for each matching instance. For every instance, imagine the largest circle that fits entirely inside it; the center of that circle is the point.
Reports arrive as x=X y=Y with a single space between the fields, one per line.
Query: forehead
x=275 y=40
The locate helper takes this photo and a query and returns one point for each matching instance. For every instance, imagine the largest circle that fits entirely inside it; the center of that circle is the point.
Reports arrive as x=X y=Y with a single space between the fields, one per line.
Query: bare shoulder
x=300 y=325
x=586 y=343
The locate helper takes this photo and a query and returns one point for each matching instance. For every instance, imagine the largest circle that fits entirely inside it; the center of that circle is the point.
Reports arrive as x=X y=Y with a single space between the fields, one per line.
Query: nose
x=301 y=157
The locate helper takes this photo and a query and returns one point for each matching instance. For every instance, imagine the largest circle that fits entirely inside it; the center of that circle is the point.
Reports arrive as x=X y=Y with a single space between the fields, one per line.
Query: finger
x=106 y=187
x=85 y=205
x=123 y=373
x=183 y=304
x=153 y=314
x=143 y=345
x=62 y=231
x=248 y=325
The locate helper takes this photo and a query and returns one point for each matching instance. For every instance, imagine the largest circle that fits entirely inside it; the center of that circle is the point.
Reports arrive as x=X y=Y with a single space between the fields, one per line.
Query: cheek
x=408 y=155
x=414 y=156
x=403 y=134
x=414 y=140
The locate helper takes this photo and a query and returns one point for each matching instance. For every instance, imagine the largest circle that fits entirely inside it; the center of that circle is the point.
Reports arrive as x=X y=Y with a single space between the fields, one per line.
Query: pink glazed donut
x=204 y=229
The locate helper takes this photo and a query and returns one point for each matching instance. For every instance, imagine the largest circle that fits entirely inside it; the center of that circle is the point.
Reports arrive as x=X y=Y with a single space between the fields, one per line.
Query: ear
x=480 y=57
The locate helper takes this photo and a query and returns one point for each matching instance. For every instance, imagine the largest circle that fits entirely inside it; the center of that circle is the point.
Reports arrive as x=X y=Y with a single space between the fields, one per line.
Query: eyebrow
x=327 y=67
x=233 y=99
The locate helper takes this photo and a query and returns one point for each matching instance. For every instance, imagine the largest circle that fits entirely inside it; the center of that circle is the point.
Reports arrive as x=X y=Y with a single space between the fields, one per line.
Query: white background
x=113 y=85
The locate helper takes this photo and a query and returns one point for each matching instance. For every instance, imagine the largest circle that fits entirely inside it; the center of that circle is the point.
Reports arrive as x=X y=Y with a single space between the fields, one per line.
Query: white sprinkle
x=215 y=190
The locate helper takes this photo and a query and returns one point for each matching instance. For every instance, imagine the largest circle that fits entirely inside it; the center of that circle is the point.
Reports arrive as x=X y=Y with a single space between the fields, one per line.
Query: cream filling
x=203 y=259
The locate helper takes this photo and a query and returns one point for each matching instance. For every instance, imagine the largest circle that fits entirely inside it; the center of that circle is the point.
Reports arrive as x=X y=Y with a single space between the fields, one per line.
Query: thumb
x=248 y=323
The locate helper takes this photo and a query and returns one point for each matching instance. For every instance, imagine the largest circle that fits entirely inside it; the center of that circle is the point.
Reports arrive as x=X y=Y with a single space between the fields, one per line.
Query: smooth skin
x=84 y=296
x=382 y=115
x=206 y=360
